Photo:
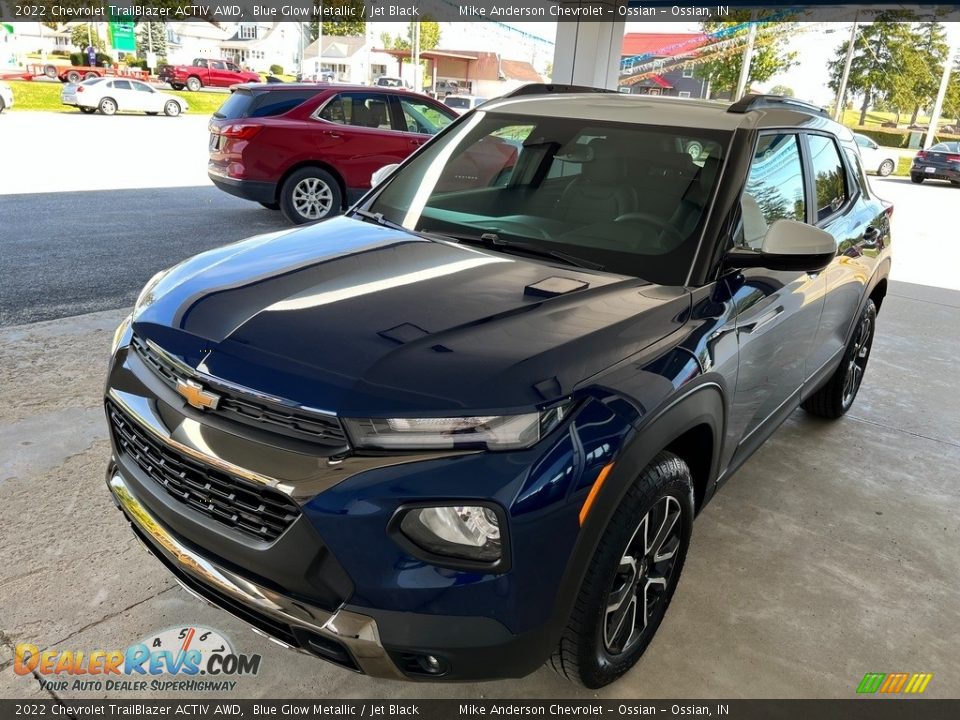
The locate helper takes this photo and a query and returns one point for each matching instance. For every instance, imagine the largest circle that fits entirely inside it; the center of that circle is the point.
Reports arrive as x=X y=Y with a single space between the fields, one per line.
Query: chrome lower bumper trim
x=356 y=632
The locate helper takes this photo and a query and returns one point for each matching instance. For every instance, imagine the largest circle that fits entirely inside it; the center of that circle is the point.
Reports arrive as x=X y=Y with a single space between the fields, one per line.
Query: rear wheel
x=631 y=578
x=172 y=108
x=90 y=76
x=916 y=179
x=74 y=76
x=310 y=194
x=86 y=110
x=194 y=84
x=108 y=106
x=886 y=167
x=837 y=395
x=50 y=71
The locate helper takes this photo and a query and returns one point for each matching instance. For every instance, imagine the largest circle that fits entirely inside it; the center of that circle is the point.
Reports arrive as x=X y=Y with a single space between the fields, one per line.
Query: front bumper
x=343 y=637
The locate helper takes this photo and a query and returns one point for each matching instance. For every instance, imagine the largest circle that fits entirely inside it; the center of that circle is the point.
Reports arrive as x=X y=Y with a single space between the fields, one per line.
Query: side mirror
x=789 y=246
x=380 y=175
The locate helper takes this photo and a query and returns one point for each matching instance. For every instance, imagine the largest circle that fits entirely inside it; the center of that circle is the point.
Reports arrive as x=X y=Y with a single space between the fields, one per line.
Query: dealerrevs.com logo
x=198 y=658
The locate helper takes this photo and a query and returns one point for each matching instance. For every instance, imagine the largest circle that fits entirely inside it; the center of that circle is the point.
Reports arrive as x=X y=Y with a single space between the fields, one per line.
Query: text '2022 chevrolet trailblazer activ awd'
x=465 y=429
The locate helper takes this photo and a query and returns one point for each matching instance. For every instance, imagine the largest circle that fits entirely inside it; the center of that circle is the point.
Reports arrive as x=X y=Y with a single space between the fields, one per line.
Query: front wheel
x=194 y=84
x=886 y=167
x=631 y=578
x=916 y=179
x=837 y=395
x=172 y=108
x=308 y=195
x=108 y=106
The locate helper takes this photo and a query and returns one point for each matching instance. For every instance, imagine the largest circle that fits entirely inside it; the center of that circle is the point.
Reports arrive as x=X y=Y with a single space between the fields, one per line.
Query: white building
x=253 y=45
x=351 y=59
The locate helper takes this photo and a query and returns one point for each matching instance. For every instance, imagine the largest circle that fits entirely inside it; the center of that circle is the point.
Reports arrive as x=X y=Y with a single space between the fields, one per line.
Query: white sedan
x=880 y=160
x=109 y=95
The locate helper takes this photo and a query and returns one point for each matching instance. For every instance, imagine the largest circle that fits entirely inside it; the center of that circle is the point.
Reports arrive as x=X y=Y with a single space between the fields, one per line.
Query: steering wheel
x=658 y=222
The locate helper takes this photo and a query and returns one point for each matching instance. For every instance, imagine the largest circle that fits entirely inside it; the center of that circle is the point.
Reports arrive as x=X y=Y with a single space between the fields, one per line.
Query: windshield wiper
x=494 y=241
x=379 y=219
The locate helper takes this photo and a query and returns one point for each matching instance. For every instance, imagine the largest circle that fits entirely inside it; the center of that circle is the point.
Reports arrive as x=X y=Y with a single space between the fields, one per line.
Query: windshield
x=389 y=82
x=461 y=103
x=630 y=198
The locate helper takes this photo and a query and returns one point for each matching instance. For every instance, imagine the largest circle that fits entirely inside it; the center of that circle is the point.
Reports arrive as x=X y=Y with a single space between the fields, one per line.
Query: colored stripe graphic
x=894 y=683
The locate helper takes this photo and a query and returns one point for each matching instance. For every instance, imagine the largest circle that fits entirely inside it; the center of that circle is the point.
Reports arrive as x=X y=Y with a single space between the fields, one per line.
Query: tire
x=74 y=76
x=838 y=393
x=3 y=106
x=51 y=71
x=86 y=110
x=886 y=168
x=171 y=108
x=176 y=86
x=108 y=106
x=310 y=194
x=194 y=84
x=271 y=205
x=916 y=179
x=596 y=648
x=90 y=76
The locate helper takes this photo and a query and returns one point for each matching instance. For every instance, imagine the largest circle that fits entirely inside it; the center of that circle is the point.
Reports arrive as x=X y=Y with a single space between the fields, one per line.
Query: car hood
x=366 y=320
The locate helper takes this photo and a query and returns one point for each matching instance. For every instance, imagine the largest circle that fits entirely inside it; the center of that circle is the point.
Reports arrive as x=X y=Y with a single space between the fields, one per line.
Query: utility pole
x=842 y=90
x=941 y=93
x=747 y=58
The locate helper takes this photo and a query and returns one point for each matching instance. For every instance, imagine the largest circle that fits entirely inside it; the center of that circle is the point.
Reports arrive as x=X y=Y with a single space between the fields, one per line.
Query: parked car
x=6 y=96
x=463 y=103
x=110 y=96
x=389 y=81
x=205 y=72
x=454 y=435
x=880 y=160
x=940 y=162
x=309 y=149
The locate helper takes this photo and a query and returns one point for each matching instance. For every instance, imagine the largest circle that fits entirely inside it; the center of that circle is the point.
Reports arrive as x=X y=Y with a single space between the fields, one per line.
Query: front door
x=777 y=312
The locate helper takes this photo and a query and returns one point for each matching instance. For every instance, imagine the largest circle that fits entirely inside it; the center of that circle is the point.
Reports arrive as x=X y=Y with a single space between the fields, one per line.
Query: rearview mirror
x=788 y=245
x=380 y=175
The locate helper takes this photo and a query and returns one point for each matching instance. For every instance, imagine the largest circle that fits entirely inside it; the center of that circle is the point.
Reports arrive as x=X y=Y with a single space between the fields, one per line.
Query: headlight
x=146 y=295
x=494 y=432
x=469 y=532
x=119 y=333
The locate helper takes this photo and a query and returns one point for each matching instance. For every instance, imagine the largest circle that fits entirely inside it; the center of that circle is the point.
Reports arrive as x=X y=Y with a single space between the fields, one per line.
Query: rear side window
x=774 y=189
x=244 y=103
x=360 y=109
x=829 y=176
x=121 y=84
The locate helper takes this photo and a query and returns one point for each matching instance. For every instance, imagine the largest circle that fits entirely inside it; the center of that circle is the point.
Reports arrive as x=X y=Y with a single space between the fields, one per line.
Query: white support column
x=588 y=53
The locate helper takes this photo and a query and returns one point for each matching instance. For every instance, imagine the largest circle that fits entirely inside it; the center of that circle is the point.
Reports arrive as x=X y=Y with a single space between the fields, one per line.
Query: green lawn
x=30 y=95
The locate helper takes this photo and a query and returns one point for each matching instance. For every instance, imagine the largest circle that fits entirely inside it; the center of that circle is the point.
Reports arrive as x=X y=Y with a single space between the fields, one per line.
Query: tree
x=770 y=55
x=951 y=101
x=932 y=48
x=154 y=35
x=429 y=37
x=784 y=90
x=884 y=57
x=84 y=35
x=341 y=27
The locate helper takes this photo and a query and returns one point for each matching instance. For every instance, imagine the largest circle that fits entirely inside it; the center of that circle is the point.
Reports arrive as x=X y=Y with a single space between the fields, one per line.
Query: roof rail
x=553 y=89
x=755 y=102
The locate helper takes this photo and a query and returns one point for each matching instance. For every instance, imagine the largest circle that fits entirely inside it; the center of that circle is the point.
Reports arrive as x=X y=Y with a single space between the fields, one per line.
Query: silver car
x=6 y=96
x=110 y=95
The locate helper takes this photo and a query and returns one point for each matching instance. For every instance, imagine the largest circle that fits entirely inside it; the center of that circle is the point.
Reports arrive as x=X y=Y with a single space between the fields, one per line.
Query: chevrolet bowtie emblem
x=194 y=394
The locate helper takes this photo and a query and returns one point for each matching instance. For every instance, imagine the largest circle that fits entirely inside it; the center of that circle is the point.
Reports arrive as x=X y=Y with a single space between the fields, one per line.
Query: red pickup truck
x=205 y=72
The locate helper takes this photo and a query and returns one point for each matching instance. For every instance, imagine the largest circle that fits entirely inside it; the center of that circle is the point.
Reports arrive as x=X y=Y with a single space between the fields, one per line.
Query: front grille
x=252 y=509
x=323 y=430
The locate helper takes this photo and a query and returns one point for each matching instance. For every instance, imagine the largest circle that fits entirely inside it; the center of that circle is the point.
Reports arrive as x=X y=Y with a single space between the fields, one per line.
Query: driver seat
x=600 y=193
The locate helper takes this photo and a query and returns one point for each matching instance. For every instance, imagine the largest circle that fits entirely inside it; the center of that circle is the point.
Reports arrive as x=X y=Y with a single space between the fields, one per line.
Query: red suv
x=310 y=149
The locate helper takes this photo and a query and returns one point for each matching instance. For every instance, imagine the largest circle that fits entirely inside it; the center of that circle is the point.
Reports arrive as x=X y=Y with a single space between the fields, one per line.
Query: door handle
x=332 y=133
x=754 y=325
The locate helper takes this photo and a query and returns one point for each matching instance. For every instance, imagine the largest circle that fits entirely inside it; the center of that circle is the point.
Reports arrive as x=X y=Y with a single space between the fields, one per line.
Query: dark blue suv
x=465 y=429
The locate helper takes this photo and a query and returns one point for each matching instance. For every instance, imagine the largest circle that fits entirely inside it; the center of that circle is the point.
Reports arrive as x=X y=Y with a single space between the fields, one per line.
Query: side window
x=774 y=189
x=862 y=140
x=121 y=84
x=142 y=87
x=829 y=175
x=856 y=165
x=215 y=65
x=271 y=104
x=201 y=63
x=358 y=109
x=419 y=117
x=232 y=67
